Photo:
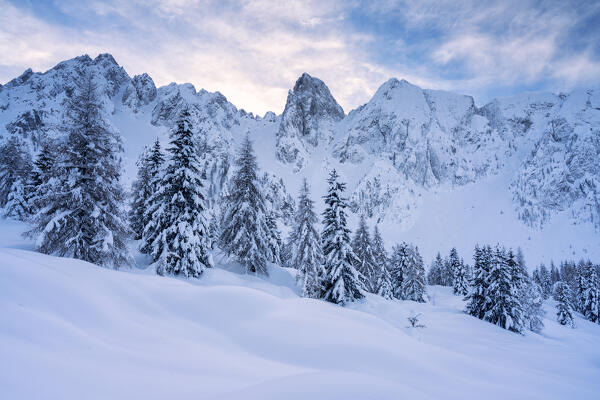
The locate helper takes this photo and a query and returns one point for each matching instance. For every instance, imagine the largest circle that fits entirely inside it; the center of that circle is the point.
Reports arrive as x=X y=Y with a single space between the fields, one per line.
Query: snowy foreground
x=71 y=330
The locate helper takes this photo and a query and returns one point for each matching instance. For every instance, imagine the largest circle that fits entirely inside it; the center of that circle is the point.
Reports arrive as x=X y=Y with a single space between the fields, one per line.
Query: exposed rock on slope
x=307 y=122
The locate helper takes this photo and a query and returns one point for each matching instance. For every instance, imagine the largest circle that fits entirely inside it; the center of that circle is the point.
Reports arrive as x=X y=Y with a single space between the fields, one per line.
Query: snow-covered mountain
x=524 y=171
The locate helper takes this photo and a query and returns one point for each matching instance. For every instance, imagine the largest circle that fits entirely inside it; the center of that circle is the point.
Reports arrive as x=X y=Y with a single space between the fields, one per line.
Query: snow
x=475 y=190
x=69 y=329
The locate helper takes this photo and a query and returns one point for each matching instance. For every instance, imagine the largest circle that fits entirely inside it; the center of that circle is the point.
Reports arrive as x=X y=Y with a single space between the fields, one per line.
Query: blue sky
x=253 y=51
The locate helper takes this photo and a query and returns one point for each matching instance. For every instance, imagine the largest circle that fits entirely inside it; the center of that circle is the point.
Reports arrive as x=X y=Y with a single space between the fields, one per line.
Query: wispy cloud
x=252 y=51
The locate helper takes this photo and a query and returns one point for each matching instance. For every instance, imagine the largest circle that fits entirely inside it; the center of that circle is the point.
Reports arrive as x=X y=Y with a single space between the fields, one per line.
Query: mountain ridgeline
x=405 y=142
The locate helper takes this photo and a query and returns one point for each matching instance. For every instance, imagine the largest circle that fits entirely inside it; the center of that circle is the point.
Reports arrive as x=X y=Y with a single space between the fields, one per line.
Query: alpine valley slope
x=429 y=166
x=72 y=330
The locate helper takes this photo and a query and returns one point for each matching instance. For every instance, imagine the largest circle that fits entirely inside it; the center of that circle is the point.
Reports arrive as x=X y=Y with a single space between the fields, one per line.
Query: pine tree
x=82 y=216
x=15 y=164
x=274 y=236
x=564 y=314
x=554 y=273
x=245 y=232
x=398 y=264
x=341 y=282
x=305 y=246
x=38 y=182
x=591 y=297
x=383 y=285
x=477 y=299
x=177 y=231
x=505 y=308
x=533 y=301
x=141 y=192
x=545 y=281
x=149 y=199
x=365 y=260
x=460 y=285
x=436 y=271
x=413 y=282
x=447 y=271
x=214 y=229
x=16 y=206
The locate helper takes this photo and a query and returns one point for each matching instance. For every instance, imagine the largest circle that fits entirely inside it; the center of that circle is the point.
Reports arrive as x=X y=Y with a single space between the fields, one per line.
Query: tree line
x=71 y=195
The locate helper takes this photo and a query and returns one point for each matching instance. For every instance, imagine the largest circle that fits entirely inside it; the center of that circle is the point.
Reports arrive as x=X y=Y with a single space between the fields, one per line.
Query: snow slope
x=69 y=329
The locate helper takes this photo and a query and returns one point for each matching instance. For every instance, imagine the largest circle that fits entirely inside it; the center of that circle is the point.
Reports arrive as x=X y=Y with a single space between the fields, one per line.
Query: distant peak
x=306 y=82
x=106 y=58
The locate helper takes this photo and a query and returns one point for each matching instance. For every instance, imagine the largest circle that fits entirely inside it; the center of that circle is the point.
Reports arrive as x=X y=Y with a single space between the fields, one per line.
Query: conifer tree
x=177 y=229
x=305 y=246
x=365 y=260
x=15 y=164
x=38 y=181
x=545 y=281
x=245 y=232
x=82 y=216
x=591 y=297
x=146 y=199
x=383 y=284
x=413 y=280
x=460 y=284
x=477 y=299
x=398 y=264
x=554 y=273
x=581 y=286
x=341 y=282
x=141 y=192
x=214 y=229
x=564 y=314
x=274 y=236
x=505 y=307
x=16 y=205
x=533 y=301
x=436 y=271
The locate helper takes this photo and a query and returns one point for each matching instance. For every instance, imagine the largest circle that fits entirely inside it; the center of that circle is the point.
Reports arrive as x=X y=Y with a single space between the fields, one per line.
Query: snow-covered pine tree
x=564 y=313
x=15 y=163
x=554 y=273
x=341 y=282
x=245 y=232
x=16 y=206
x=545 y=281
x=305 y=246
x=398 y=264
x=275 y=242
x=591 y=297
x=447 y=271
x=141 y=190
x=177 y=231
x=153 y=165
x=82 y=216
x=413 y=282
x=459 y=273
x=365 y=260
x=436 y=271
x=38 y=181
x=477 y=299
x=505 y=308
x=533 y=301
x=452 y=265
x=581 y=285
x=214 y=228
x=383 y=285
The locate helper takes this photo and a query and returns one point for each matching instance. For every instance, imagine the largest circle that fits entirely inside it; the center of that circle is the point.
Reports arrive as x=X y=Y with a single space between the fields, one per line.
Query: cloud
x=252 y=51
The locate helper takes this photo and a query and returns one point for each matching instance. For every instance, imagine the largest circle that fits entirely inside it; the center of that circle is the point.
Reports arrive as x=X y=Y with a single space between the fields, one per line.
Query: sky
x=253 y=51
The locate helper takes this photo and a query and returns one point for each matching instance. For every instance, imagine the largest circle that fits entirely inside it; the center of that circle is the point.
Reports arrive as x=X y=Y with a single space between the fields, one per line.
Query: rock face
x=404 y=142
x=307 y=122
x=430 y=137
x=562 y=172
